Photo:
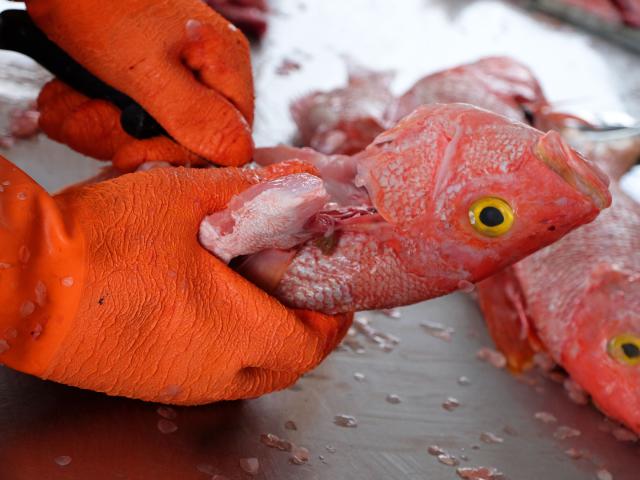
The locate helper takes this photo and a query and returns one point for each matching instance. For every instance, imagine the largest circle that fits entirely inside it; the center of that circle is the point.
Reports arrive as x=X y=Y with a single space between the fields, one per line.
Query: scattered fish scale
x=359 y=377
x=62 y=460
x=346 y=421
x=331 y=449
x=167 y=412
x=573 y=453
x=438 y=330
x=545 y=417
x=287 y=66
x=490 y=438
x=299 y=456
x=393 y=399
x=250 y=465
x=450 y=404
x=352 y=343
x=492 y=357
x=575 y=392
x=564 y=432
x=166 y=426
x=448 y=460
x=290 y=425
x=509 y=430
x=544 y=361
x=385 y=341
x=273 y=441
x=479 y=473
x=464 y=381
x=603 y=474
x=435 y=450
x=392 y=313
x=623 y=435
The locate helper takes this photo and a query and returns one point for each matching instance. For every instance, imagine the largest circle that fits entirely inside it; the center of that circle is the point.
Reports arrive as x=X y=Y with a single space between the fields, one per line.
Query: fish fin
x=504 y=307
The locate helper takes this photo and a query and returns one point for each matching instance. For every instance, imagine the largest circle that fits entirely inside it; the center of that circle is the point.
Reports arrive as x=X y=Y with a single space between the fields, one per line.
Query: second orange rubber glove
x=183 y=63
x=106 y=287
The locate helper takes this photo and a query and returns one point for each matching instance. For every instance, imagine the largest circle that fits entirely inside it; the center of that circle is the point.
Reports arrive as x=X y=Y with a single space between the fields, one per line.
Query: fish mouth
x=577 y=171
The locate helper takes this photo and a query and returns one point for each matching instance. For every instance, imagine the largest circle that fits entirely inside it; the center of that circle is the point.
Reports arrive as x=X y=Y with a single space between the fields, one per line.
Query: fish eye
x=491 y=216
x=625 y=349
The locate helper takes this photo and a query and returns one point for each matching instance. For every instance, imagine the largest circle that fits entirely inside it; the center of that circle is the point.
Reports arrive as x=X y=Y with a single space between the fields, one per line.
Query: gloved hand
x=183 y=63
x=106 y=287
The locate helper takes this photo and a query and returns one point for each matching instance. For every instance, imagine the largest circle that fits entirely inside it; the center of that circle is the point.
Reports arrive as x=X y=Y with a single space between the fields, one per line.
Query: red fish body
x=418 y=228
x=579 y=300
x=344 y=120
x=499 y=84
x=630 y=10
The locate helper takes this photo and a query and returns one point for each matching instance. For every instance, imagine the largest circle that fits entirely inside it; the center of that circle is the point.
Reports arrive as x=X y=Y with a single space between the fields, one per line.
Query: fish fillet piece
x=269 y=215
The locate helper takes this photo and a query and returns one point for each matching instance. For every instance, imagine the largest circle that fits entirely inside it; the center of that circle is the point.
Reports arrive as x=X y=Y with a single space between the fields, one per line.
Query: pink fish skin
x=577 y=295
x=345 y=120
x=413 y=240
x=499 y=84
x=573 y=297
x=630 y=10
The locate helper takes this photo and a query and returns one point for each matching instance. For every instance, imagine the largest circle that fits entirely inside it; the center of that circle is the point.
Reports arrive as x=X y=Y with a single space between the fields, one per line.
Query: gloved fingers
x=201 y=54
x=134 y=153
x=91 y=127
x=55 y=102
x=252 y=382
x=295 y=341
x=94 y=129
x=202 y=117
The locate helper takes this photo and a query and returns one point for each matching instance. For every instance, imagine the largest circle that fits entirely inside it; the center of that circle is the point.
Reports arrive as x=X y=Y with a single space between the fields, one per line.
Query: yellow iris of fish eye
x=625 y=348
x=491 y=216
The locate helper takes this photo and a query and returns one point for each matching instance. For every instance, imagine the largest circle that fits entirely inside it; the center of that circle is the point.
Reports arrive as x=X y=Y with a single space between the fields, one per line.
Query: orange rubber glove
x=182 y=62
x=106 y=287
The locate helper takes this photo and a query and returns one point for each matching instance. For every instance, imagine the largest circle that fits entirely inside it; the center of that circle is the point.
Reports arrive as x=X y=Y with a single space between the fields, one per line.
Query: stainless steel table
x=108 y=438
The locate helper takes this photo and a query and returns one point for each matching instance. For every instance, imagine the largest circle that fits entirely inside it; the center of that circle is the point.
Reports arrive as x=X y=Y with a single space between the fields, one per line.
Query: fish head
x=602 y=348
x=470 y=192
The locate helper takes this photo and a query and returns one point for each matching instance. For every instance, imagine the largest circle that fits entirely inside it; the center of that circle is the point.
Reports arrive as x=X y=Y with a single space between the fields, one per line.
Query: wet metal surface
x=54 y=432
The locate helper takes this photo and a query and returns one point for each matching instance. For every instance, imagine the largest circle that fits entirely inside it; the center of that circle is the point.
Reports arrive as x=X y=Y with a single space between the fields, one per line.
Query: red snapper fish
x=346 y=120
x=499 y=84
x=579 y=301
x=450 y=195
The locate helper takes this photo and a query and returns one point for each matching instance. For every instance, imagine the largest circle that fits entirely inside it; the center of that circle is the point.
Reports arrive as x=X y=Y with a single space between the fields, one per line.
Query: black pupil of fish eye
x=631 y=350
x=491 y=217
